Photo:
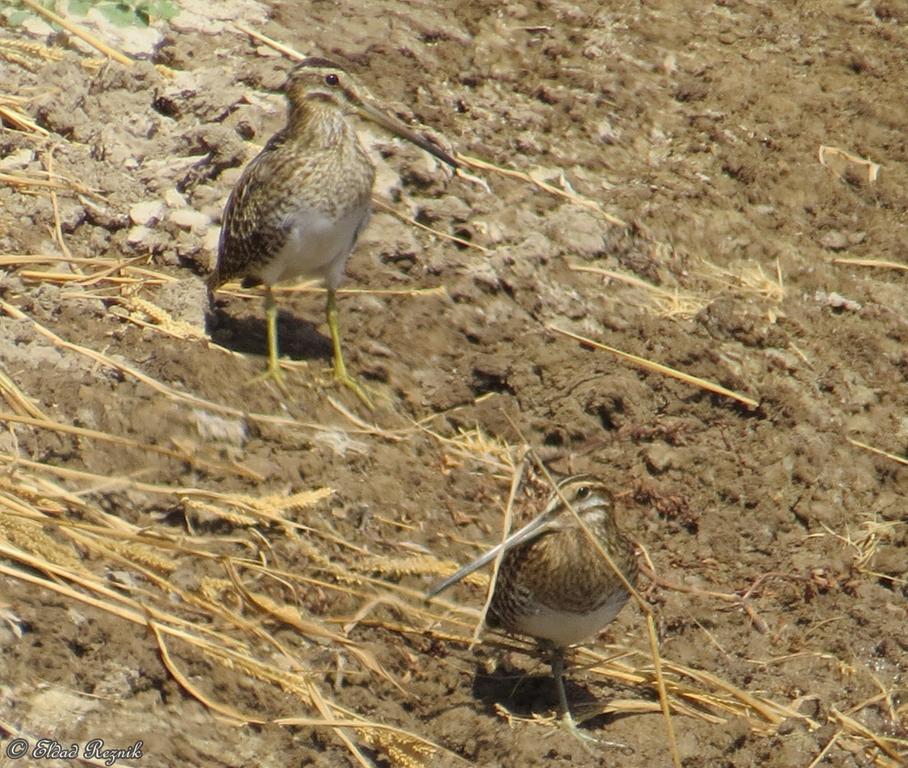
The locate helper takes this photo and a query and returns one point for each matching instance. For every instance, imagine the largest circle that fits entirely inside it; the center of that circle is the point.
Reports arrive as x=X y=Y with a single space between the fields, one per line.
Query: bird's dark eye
x=331 y=79
x=583 y=491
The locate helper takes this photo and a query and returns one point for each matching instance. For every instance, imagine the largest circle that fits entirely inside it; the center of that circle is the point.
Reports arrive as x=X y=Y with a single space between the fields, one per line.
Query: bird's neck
x=319 y=124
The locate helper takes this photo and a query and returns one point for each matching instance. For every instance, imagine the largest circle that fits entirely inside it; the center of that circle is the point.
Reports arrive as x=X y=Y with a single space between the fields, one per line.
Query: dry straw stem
x=40 y=180
x=748 y=278
x=48 y=496
x=58 y=227
x=286 y=50
x=878 y=263
x=61 y=278
x=887 y=745
x=113 y=265
x=380 y=204
x=290 y=616
x=79 y=32
x=668 y=303
x=18 y=400
x=363 y=427
x=825 y=751
x=662 y=369
x=12 y=115
x=93 y=434
x=516 y=481
x=843 y=164
x=267 y=509
x=877 y=451
x=729 y=597
x=585 y=202
x=160 y=319
x=225 y=710
x=342 y=733
x=309 y=286
x=866 y=544
x=475 y=446
x=107 y=268
x=27 y=54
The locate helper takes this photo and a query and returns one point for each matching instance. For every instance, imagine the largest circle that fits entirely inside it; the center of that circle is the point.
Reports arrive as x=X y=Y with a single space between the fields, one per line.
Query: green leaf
x=119 y=14
x=17 y=17
x=78 y=7
x=163 y=9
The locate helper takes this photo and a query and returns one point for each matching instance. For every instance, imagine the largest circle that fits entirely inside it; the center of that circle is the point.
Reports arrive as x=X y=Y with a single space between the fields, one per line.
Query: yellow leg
x=274 y=364
x=567 y=719
x=273 y=371
x=340 y=370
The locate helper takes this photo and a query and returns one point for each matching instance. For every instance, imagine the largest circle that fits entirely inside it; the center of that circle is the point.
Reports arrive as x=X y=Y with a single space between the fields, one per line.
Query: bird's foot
x=342 y=377
x=570 y=725
x=586 y=740
x=272 y=373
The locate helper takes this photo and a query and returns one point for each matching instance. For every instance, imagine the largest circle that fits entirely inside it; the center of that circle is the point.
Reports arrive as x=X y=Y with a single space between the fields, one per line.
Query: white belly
x=317 y=246
x=564 y=628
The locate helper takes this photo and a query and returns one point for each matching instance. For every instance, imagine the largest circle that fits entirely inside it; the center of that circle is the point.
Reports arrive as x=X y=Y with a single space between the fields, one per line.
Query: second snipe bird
x=553 y=583
x=300 y=205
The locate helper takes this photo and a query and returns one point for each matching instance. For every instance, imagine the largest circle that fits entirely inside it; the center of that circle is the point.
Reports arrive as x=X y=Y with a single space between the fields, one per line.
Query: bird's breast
x=317 y=244
x=563 y=627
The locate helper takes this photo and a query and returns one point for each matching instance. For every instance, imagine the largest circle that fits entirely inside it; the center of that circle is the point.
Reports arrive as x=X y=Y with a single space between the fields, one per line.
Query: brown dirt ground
x=700 y=125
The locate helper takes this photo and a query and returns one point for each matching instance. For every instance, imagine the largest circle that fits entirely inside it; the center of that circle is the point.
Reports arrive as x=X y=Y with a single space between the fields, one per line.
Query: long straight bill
x=394 y=125
x=529 y=531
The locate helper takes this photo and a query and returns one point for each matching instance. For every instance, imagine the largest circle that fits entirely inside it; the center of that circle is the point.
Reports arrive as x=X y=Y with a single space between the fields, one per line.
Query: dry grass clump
x=55 y=539
x=27 y=54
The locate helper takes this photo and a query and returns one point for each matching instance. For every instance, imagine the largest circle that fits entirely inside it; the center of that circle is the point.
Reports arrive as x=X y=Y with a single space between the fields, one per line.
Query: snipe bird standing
x=553 y=584
x=301 y=203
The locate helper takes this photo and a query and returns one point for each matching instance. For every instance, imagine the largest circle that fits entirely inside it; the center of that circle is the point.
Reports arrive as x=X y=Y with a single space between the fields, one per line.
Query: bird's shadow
x=298 y=338
x=527 y=694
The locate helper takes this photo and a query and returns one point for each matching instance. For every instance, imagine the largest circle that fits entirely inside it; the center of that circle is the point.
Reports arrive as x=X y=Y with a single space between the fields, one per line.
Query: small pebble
x=147 y=213
x=836 y=301
x=138 y=235
x=659 y=457
x=834 y=240
x=174 y=198
x=187 y=218
x=16 y=160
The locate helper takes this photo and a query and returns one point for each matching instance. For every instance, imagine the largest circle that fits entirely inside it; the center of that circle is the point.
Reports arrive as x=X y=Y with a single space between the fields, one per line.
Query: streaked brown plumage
x=553 y=583
x=300 y=205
